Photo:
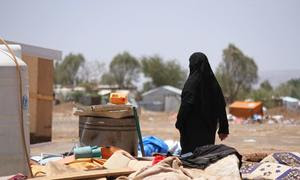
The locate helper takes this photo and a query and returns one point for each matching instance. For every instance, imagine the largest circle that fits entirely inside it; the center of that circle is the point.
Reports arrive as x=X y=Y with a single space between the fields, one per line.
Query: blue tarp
x=153 y=144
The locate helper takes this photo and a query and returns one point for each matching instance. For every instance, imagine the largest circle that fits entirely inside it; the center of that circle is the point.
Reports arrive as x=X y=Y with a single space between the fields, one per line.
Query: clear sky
x=267 y=30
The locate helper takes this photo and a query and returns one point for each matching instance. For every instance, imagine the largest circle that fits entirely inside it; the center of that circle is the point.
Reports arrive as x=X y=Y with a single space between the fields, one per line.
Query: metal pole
x=138 y=128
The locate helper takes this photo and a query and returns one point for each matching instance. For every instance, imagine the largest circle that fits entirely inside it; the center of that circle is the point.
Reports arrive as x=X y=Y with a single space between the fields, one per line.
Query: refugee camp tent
x=40 y=69
x=245 y=110
x=164 y=98
x=291 y=103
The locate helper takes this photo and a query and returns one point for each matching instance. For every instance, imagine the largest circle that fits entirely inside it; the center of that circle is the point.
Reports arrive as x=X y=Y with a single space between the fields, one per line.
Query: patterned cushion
x=283 y=165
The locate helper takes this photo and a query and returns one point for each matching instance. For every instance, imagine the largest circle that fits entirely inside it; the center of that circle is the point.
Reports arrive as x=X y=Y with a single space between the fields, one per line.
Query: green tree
x=266 y=85
x=124 y=69
x=289 y=88
x=236 y=73
x=90 y=72
x=66 y=71
x=264 y=93
x=108 y=78
x=162 y=73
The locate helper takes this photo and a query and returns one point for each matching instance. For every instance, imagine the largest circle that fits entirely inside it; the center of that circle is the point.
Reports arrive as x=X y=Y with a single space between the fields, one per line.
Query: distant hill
x=276 y=77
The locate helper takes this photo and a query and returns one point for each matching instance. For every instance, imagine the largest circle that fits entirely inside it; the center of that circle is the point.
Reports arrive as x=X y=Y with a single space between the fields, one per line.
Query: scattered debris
x=250 y=140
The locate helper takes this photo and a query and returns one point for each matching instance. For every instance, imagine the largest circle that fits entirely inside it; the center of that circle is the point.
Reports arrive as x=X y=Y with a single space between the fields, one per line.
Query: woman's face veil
x=199 y=63
x=202 y=79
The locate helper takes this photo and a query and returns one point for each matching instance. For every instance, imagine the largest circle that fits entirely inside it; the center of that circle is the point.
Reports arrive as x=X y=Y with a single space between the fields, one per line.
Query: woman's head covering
x=202 y=85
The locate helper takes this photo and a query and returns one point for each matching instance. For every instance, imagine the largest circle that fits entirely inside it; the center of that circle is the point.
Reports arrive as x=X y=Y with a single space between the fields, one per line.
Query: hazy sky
x=267 y=30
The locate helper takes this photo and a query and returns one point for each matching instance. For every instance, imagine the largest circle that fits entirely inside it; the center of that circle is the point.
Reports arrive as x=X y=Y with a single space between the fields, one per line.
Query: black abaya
x=202 y=106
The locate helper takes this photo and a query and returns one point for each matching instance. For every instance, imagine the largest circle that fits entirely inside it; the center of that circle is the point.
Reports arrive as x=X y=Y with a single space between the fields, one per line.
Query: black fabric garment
x=205 y=155
x=202 y=106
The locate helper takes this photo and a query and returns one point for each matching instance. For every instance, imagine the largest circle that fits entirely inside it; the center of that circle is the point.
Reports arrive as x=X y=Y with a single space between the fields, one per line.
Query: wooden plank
x=45 y=88
x=90 y=174
x=45 y=77
x=104 y=108
x=110 y=111
x=32 y=116
x=44 y=118
x=115 y=115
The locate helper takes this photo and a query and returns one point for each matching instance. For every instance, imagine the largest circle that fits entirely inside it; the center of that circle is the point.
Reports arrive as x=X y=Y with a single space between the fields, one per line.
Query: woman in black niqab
x=202 y=107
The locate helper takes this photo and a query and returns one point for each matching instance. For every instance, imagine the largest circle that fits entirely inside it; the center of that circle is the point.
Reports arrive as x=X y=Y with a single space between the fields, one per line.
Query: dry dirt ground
x=246 y=138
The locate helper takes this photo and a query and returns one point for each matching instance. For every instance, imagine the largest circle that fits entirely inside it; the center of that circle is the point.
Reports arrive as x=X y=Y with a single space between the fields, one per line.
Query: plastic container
x=12 y=156
x=87 y=152
x=118 y=98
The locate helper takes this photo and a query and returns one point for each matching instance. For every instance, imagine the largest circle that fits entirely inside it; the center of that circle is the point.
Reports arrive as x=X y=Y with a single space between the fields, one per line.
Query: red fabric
x=18 y=176
x=157 y=159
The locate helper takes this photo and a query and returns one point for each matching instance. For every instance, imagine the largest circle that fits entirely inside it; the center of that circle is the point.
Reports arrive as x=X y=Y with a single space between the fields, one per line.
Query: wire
x=20 y=109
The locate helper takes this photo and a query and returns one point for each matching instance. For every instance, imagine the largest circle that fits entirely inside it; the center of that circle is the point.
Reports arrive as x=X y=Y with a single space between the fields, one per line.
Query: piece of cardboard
x=116 y=161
